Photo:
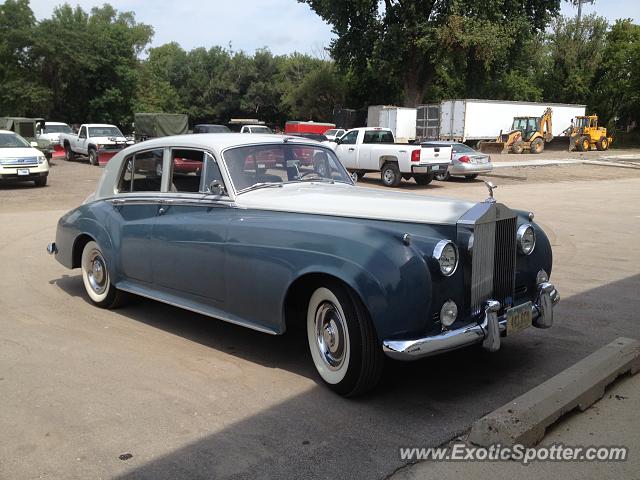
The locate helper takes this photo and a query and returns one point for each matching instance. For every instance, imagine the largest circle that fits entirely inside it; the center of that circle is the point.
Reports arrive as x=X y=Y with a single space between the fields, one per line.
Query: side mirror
x=216 y=187
x=338 y=141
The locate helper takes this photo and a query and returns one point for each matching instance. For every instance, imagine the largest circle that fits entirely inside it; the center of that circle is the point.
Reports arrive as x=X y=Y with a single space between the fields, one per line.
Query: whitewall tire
x=96 y=278
x=342 y=340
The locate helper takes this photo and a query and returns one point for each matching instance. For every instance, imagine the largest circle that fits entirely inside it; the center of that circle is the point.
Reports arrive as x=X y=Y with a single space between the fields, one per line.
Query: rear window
x=378 y=136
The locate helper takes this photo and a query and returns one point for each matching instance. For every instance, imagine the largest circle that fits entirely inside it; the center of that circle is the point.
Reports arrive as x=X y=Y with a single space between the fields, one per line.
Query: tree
x=408 y=39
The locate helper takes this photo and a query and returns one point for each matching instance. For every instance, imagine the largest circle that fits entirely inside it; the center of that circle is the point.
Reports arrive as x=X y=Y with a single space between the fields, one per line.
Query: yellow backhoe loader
x=586 y=134
x=526 y=134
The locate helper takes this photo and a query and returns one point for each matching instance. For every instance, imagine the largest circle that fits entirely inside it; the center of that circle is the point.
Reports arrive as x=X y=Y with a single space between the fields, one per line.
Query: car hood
x=19 y=152
x=349 y=201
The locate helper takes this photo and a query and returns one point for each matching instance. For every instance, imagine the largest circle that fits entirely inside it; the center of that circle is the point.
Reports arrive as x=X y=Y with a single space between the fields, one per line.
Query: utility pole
x=579 y=3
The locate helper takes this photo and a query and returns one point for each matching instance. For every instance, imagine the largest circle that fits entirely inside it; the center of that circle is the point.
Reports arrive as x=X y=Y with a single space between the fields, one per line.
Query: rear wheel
x=537 y=146
x=585 y=144
x=93 y=156
x=390 y=174
x=424 y=179
x=602 y=144
x=342 y=341
x=96 y=279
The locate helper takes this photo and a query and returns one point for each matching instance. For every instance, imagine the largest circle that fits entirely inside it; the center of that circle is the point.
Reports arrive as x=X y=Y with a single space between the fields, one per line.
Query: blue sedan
x=269 y=232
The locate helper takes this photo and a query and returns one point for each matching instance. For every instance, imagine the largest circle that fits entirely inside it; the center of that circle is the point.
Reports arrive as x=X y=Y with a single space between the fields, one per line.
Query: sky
x=284 y=26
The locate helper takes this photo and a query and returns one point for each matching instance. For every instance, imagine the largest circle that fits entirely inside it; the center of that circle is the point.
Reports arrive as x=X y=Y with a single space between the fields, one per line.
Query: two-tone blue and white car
x=271 y=232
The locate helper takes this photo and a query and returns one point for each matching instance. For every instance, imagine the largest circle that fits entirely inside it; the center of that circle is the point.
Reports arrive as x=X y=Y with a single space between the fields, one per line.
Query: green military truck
x=154 y=125
x=28 y=128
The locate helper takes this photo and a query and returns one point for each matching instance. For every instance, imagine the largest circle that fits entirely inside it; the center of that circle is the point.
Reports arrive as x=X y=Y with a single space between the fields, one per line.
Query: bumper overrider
x=488 y=331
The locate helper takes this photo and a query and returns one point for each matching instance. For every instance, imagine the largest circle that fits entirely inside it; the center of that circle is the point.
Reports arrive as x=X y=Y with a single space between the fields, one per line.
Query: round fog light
x=542 y=277
x=448 y=313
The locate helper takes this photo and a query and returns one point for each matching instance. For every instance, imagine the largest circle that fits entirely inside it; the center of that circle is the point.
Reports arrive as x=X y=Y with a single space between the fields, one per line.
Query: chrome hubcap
x=330 y=335
x=97 y=273
x=388 y=176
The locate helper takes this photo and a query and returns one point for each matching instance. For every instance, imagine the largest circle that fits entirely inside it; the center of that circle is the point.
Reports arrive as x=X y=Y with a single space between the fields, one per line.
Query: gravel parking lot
x=151 y=391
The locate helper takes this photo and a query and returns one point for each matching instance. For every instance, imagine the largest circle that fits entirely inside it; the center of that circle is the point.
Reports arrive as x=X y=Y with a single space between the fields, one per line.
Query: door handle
x=161 y=211
x=351 y=149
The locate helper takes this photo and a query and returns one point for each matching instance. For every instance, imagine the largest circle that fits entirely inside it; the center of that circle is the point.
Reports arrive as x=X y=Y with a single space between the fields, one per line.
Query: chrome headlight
x=542 y=277
x=446 y=254
x=526 y=239
x=41 y=158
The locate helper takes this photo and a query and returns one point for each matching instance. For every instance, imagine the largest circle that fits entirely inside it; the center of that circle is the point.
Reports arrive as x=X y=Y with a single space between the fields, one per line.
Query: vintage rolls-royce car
x=271 y=232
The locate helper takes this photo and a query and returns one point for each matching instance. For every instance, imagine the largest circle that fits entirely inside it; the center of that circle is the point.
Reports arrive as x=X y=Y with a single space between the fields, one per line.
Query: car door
x=190 y=230
x=347 y=150
x=135 y=210
x=81 y=146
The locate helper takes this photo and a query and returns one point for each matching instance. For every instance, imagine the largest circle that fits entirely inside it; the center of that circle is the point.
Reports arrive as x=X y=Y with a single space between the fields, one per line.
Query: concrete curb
x=525 y=419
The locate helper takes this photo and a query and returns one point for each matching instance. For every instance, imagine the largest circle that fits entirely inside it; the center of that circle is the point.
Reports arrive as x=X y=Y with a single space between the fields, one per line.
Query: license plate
x=519 y=318
x=23 y=171
x=481 y=160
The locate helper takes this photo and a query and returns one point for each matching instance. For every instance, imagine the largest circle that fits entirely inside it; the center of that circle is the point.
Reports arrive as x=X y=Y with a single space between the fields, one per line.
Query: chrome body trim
x=487 y=331
x=52 y=248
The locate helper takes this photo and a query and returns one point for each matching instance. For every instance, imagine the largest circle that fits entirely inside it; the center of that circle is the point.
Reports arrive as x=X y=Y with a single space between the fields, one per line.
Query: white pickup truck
x=98 y=141
x=372 y=149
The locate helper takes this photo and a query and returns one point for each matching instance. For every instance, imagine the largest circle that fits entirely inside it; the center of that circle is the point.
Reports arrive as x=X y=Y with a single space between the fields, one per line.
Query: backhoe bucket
x=491 y=147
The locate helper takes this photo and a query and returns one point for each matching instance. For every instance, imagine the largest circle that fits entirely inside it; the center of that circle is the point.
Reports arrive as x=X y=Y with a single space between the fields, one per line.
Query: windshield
x=331 y=132
x=274 y=165
x=524 y=123
x=104 y=132
x=582 y=122
x=57 y=129
x=11 y=140
x=260 y=130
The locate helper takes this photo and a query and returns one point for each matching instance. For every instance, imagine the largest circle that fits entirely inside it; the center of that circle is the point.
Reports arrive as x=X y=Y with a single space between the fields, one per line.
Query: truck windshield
x=57 y=129
x=104 y=132
x=11 y=140
x=582 y=122
x=266 y=165
x=378 y=136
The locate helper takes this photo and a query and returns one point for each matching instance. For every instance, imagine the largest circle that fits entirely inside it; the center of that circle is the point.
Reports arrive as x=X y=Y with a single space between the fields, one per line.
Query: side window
x=83 y=132
x=350 y=138
x=212 y=171
x=187 y=166
x=142 y=172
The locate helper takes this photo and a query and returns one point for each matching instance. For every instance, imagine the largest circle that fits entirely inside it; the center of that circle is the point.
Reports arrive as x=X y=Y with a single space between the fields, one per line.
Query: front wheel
x=585 y=144
x=602 y=144
x=93 y=157
x=342 y=341
x=442 y=177
x=68 y=153
x=96 y=279
x=537 y=146
x=40 y=181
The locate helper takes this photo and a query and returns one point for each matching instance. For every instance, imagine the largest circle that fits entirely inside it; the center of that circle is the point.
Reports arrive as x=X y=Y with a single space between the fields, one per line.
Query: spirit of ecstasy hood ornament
x=491 y=187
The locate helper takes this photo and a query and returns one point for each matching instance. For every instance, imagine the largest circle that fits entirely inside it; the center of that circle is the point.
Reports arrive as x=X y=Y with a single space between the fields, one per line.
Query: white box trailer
x=472 y=120
x=400 y=120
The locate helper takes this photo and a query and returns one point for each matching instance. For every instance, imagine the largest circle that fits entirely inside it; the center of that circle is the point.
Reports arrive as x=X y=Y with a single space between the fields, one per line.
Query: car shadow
x=404 y=185
x=317 y=434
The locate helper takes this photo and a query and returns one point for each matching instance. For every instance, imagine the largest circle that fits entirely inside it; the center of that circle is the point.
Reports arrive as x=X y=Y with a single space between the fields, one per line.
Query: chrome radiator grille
x=493 y=262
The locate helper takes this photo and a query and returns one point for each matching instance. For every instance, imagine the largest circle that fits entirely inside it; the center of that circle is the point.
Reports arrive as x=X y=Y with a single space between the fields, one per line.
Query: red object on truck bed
x=307 y=127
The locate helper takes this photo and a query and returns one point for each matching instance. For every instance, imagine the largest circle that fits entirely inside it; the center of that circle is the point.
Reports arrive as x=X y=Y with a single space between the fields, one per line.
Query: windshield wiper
x=257 y=186
x=313 y=178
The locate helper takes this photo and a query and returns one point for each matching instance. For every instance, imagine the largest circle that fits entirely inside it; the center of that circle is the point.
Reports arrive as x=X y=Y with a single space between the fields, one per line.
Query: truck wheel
x=537 y=146
x=68 y=153
x=585 y=144
x=442 y=177
x=342 y=340
x=602 y=144
x=93 y=156
x=517 y=148
x=390 y=174
x=423 y=179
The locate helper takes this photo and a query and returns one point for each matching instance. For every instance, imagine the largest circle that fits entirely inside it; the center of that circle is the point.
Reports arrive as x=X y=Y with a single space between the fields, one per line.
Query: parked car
x=98 y=141
x=29 y=129
x=210 y=128
x=20 y=161
x=334 y=134
x=369 y=274
x=465 y=161
x=52 y=131
x=373 y=149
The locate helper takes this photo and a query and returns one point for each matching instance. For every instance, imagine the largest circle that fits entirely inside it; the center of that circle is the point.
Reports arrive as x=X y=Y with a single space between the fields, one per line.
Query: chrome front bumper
x=488 y=331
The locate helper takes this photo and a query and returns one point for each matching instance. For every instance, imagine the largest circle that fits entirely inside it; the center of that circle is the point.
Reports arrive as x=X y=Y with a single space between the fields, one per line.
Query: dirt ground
x=151 y=391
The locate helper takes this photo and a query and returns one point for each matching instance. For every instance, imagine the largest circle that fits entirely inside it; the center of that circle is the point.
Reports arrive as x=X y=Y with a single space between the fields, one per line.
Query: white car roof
x=98 y=125
x=7 y=131
x=54 y=123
